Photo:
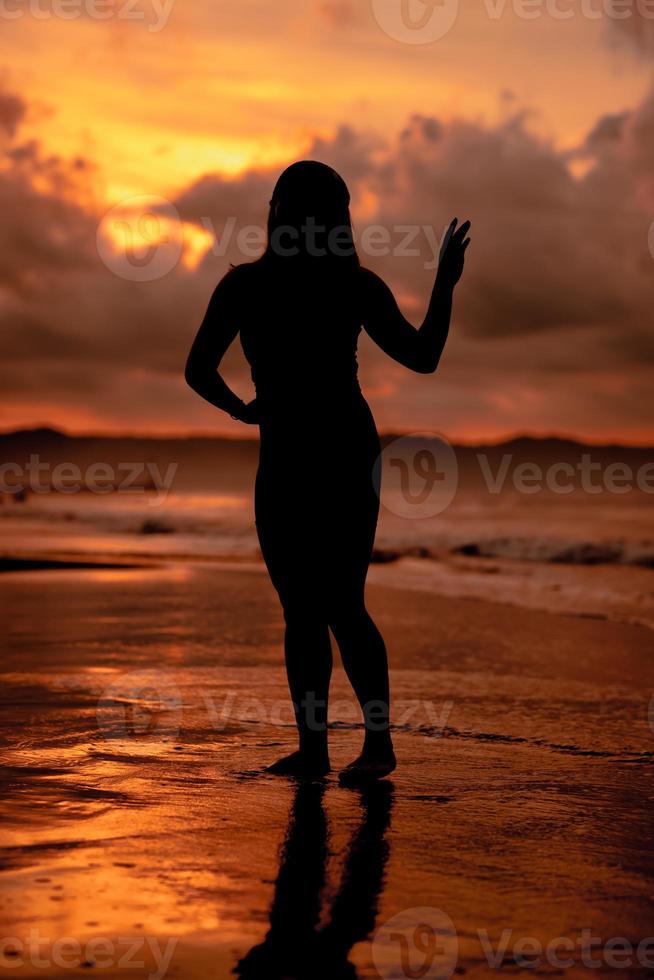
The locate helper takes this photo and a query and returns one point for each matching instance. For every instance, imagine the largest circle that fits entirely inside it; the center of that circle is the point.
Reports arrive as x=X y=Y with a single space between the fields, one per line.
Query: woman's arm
x=420 y=350
x=217 y=331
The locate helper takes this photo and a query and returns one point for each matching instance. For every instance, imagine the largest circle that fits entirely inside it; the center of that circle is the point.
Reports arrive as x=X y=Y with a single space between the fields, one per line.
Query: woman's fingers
x=454 y=246
x=454 y=236
x=447 y=239
x=461 y=232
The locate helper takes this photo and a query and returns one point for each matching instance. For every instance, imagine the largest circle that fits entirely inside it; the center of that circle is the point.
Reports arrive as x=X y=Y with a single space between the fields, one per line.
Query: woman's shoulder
x=247 y=277
x=238 y=279
x=242 y=273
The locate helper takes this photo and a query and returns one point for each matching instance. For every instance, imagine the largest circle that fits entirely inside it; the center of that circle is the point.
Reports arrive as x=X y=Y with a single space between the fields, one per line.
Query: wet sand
x=141 y=705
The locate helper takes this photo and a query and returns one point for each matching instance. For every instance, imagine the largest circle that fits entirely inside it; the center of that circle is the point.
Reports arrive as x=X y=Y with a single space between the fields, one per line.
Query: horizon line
x=228 y=436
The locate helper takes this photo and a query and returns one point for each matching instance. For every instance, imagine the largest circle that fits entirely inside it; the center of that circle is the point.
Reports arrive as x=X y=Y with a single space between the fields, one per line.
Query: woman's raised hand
x=452 y=255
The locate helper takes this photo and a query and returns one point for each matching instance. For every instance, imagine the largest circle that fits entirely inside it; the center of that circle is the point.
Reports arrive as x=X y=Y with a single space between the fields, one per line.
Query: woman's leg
x=362 y=647
x=363 y=652
x=308 y=654
x=307 y=644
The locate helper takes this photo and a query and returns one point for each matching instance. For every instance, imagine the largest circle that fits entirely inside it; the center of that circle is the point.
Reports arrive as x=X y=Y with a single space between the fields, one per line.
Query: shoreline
x=604 y=592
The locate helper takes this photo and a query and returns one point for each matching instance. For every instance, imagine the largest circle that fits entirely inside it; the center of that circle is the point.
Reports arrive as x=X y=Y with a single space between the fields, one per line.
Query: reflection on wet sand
x=296 y=945
x=135 y=731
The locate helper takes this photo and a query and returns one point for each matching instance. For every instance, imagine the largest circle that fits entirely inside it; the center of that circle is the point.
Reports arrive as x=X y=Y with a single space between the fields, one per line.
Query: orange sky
x=154 y=97
x=231 y=85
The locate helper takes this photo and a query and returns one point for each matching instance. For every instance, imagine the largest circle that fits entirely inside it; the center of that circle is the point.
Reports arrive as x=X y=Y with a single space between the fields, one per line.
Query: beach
x=142 y=704
x=144 y=695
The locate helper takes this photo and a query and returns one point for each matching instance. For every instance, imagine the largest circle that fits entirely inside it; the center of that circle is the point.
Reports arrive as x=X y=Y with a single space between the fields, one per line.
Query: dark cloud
x=213 y=199
x=338 y=13
x=429 y=129
x=607 y=129
x=12 y=111
x=632 y=21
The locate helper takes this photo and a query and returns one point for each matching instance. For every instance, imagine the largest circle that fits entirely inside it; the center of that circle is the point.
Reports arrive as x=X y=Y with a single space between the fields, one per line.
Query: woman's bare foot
x=372 y=764
x=301 y=765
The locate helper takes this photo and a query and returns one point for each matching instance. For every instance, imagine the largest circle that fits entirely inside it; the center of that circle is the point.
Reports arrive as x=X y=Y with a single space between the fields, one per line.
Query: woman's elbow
x=425 y=364
x=424 y=357
x=191 y=375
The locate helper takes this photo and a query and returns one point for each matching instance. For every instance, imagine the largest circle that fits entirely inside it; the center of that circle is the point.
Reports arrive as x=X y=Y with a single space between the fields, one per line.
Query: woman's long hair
x=309 y=219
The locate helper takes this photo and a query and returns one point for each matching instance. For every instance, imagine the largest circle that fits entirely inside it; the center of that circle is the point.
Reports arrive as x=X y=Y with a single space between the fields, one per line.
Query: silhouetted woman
x=299 y=310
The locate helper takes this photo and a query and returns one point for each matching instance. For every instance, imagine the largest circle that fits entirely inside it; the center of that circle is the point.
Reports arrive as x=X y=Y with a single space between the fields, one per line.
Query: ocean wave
x=224 y=526
x=530 y=549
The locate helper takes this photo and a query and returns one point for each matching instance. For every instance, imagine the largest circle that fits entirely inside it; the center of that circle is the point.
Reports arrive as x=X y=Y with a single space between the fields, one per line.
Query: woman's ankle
x=314 y=748
x=378 y=743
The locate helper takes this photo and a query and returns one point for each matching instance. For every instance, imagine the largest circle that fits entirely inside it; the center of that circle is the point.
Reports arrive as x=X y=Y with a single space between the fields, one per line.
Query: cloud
x=12 y=111
x=552 y=322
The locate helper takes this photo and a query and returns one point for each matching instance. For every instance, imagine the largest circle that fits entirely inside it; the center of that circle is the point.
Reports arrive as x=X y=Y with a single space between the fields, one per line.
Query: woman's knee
x=303 y=613
x=346 y=613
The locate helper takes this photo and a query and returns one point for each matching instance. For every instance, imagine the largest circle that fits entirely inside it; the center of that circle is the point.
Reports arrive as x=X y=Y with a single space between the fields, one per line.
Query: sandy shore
x=141 y=838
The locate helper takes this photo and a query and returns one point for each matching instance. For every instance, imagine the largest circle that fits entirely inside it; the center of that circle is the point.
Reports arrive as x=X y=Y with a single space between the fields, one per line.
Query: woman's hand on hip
x=250 y=413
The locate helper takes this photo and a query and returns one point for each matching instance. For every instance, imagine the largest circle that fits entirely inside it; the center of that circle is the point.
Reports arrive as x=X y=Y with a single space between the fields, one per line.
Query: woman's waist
x=345 y=420
x=338 y=400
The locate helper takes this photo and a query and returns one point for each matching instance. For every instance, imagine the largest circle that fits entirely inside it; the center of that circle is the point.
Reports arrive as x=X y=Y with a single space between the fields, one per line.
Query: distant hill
x=205 y=462
x=202 y=461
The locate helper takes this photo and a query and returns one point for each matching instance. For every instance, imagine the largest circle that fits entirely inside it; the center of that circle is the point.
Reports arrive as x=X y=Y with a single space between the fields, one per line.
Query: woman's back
x=299 y=329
